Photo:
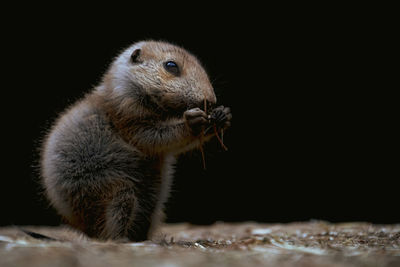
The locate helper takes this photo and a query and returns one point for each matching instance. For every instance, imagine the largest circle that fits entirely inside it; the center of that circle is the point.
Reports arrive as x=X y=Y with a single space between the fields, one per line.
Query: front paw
x=221 y=116
x=196 y=119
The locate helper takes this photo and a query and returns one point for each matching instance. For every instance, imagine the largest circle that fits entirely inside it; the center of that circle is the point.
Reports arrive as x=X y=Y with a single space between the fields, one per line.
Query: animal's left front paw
x=196 y=120
x=221 y=116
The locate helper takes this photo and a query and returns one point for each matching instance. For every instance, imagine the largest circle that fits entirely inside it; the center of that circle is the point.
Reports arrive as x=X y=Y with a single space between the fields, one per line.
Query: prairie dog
x=107 y=162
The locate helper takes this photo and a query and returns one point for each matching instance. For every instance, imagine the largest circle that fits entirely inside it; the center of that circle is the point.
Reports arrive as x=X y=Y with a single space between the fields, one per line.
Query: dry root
x=220 y=138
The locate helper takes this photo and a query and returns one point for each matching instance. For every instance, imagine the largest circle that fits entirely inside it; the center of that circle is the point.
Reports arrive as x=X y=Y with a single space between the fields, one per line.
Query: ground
x=222 y=244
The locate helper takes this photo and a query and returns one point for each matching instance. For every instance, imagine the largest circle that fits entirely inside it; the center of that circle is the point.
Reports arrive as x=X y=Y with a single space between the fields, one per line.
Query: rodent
x=107 y=162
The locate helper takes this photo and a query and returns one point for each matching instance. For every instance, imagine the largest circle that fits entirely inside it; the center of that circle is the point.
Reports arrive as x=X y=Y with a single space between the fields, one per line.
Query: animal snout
x=202 y=98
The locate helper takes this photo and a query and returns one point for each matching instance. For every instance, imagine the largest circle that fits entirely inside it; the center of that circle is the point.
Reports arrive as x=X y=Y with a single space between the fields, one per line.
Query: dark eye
x=172 y=67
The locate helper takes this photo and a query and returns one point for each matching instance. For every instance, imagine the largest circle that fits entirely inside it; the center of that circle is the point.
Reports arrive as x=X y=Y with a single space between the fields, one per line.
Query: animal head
x=160 y=76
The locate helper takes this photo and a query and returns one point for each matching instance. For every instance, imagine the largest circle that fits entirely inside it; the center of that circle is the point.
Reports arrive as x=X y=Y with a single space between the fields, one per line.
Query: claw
x=221 y=116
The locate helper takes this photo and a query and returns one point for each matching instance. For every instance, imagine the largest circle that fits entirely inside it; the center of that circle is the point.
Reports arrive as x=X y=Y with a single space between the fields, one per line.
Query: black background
x=308 y=138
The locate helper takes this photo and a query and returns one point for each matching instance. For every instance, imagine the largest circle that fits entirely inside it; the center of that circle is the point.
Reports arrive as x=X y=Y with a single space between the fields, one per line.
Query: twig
x=219 y=139
x=202 y=136
x=202 y=156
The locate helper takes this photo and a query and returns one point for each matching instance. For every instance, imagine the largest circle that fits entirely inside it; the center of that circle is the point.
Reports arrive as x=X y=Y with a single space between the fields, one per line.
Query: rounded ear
x=135 y=56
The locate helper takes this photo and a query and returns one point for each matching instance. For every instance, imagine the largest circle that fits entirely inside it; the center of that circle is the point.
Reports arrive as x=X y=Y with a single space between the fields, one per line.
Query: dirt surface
x=222 y=244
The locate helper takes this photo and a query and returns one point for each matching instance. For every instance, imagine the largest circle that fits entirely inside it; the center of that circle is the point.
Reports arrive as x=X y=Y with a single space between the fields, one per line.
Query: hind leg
x=127 y=217
x=119 y=215
x=90 y=175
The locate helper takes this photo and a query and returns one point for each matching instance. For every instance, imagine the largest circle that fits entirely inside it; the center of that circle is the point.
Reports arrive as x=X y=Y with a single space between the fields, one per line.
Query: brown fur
x=107 y=161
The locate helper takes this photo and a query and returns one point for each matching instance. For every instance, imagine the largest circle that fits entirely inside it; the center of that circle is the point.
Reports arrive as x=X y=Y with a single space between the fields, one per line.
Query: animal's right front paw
x=196 y=119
